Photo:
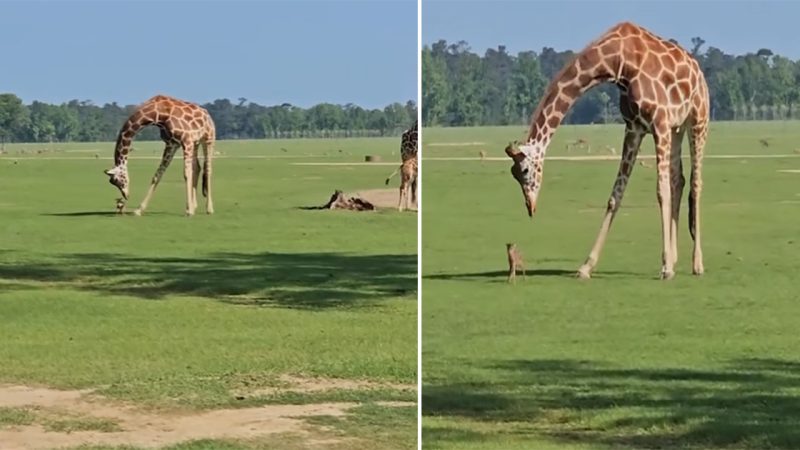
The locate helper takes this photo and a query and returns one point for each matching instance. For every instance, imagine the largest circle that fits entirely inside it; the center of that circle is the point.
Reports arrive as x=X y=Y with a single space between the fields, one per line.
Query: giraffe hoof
x=667 y=274
x=137 y=212
x=698 y=271
x=584 y=273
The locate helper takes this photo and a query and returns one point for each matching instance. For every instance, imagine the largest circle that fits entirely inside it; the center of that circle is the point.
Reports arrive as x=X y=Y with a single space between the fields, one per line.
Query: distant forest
x=84 y=121
x=463 y=88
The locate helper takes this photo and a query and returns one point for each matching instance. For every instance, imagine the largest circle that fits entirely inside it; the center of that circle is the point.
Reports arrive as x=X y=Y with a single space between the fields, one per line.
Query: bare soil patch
x=150 y=429
x=303 y=385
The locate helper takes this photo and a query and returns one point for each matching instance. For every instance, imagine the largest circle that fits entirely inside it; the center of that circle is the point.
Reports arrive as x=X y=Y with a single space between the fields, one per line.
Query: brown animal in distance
x=515 y=262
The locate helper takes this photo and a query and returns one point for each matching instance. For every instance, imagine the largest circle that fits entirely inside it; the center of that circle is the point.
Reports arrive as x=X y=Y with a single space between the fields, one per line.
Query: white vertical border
x=419 y=224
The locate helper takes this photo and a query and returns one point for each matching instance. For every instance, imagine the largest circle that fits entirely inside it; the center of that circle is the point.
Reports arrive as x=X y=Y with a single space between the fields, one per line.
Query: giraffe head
x=118 y=176
x=527 y=170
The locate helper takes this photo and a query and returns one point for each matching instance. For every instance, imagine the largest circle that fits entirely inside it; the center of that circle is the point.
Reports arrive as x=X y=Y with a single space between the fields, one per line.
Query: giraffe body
x=662 y=93
x=408 y=183
x=181 y=125
x=408 y=168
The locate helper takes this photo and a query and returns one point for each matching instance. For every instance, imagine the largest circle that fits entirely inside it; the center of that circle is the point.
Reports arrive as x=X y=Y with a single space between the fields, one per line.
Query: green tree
x=13 y=117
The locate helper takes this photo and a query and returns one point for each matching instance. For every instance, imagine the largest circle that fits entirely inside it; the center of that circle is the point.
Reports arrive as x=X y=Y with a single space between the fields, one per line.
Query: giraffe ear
x=513 y=152
x=112 y=171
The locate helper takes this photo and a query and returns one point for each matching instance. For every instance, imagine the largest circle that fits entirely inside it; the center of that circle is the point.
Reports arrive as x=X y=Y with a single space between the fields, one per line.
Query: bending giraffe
x=182 y=124
x=662 y=92
x=408 y=170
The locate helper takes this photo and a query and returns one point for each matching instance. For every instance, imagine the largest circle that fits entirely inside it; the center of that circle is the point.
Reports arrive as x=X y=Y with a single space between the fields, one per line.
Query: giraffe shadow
x=287 y=280
x=106 y=214
x=82 y=214
x=501 y=275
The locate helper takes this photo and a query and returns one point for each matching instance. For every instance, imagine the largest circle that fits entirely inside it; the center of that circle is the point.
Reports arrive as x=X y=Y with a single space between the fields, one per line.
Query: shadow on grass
x=304 y=280
x=501 y=275
x=82 y=214
x=751 y=404
x=128 y=212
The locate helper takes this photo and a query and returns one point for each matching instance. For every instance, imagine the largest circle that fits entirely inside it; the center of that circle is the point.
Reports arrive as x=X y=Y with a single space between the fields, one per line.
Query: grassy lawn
x=177 y=313
x=624 y=360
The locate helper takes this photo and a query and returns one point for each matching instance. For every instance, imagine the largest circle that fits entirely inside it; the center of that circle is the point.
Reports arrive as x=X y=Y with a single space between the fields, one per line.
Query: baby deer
x=515 y=263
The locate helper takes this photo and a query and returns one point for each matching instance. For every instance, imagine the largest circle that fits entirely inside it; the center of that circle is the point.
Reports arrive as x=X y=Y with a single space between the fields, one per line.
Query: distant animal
x=482 y=154
x=120 y=205
x=580 y=142
x=611 y=150
x=764 y=142
x=515 y=262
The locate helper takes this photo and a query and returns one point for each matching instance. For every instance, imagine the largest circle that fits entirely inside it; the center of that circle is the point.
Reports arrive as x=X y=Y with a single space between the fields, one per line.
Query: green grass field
x=171 y=313
x=624 y=360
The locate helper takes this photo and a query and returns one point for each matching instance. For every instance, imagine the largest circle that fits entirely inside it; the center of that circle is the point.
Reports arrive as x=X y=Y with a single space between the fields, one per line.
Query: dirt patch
x=147 y=429
x=382 y=198
x=377 y=198
x=303 y=385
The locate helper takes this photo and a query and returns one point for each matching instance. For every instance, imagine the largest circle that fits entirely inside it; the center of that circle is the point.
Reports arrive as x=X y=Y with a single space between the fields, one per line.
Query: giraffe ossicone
x=663 y=93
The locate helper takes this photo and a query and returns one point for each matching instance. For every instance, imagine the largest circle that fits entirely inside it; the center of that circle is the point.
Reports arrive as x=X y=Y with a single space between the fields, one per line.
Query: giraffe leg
x=195 y=175
x=188 y=175
x=414 y=191
x=677 y=182
x=663 y=140
x=208 y=149
x=697 y=142
x=166 y=158
x=402 y=194
x=630 y=149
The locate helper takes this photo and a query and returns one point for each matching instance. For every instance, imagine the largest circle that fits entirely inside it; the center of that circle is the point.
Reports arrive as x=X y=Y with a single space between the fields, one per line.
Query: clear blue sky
x=301 y=52
x=735 y=27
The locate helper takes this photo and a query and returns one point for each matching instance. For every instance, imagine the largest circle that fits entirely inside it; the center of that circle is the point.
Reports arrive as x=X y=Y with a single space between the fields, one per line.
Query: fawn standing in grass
x=515 y=262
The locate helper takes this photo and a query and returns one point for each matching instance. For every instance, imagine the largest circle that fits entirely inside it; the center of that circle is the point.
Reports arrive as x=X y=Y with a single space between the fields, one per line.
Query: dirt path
x=136 y=427
x=381 y=198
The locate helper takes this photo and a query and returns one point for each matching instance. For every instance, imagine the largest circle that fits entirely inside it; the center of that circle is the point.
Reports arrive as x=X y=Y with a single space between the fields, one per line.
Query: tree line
x=463 y=88
x=84 y=121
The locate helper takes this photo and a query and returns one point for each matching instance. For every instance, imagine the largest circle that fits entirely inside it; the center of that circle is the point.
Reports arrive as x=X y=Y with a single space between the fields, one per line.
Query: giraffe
x=408 y=170
x=663 y=93
x=182 y=124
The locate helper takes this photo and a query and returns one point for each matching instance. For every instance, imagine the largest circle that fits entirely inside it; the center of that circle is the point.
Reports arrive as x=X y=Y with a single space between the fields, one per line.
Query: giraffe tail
x=692 y=207
x=205 y=183
x=390 y=176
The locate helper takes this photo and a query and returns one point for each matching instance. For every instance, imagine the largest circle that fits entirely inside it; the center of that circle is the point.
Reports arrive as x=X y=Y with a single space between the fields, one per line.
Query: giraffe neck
x=125 y=138
x=581 y=74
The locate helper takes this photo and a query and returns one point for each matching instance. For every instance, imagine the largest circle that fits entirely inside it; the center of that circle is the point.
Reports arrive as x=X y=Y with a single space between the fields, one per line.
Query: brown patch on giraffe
x=667 y=62
x=667 y=78
x=650 y=64
x=661 y=95
x=682 y=71
x=571 y=90
x=675 y=94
